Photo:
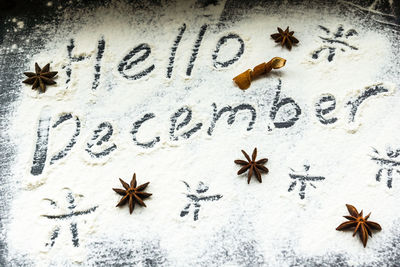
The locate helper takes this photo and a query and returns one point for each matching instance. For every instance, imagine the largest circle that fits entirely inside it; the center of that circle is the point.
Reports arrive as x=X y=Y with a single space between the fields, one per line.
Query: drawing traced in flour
x=42 y=142
x=389 y=165
x=71 y=216
x=369 y=91
x=334 y=42
x=98 y=145
x=304 y=180
x=196 y=198
x=325 y=105
x=284 y=113
x=220 y=45
x=152 y=90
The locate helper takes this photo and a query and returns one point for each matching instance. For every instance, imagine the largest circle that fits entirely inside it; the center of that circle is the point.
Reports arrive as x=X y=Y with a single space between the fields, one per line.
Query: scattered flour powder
x=250 y=224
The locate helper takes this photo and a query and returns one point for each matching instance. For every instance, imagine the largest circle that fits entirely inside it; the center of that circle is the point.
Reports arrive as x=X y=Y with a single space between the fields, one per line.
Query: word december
x=129 y=66
x=181 y=127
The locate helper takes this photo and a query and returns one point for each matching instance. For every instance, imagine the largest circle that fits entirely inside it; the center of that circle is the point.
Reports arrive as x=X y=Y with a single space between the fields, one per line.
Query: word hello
x=129 y=67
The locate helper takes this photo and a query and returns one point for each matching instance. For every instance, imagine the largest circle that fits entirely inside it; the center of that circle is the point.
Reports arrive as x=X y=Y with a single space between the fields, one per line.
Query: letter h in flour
x=97 y=67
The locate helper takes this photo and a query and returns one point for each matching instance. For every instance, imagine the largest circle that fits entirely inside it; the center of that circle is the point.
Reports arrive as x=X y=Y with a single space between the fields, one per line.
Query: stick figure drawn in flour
x=195 y=199
x=71 y=215
x=303 y=179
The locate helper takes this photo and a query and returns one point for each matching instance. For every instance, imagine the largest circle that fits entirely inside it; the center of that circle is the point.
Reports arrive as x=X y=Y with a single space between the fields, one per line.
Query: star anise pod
x=361 y=224
x=40 y=77
x=252 y=165
x=285 y=38
x=132 y=193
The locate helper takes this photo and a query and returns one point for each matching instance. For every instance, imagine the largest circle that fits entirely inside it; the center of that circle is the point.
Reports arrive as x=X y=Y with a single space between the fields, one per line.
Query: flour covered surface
x=146 y=88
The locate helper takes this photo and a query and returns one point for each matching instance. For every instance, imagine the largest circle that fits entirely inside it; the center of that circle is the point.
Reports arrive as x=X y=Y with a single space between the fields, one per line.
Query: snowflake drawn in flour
x=334 y=41
x=303 y=180
x=389 y=164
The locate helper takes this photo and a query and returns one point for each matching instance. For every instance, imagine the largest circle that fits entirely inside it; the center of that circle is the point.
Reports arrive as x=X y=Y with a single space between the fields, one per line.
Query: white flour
x=250 y=224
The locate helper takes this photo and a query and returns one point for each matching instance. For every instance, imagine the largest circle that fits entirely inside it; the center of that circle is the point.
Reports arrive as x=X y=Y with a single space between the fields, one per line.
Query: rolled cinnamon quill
x=244 y=79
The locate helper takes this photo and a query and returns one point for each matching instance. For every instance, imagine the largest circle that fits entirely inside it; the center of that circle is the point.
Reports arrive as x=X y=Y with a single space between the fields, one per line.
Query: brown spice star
x=40 y=77
x=285 y=38
x=252 y=165
x=132 y=193
x=361 y=224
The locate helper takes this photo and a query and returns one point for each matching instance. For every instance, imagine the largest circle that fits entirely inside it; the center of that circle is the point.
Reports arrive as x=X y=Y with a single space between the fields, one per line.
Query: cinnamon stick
x=244 y=79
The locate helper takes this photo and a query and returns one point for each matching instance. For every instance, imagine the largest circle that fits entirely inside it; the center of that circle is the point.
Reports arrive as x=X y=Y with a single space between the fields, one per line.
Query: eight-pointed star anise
x=252 y=165
x=132 y=193
x=285 y=38
x=361 y=224
x=40 y=77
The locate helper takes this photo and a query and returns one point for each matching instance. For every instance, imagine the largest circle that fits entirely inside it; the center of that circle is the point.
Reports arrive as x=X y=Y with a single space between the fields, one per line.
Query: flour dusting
x=149 y=91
